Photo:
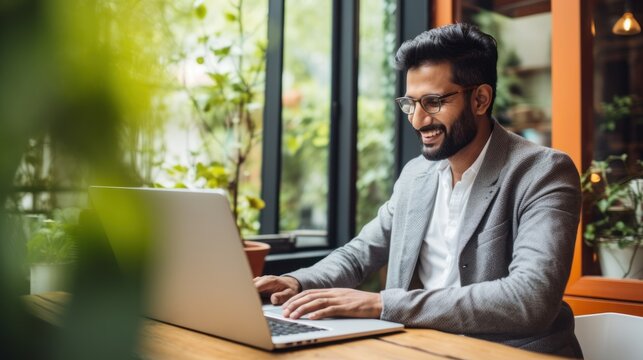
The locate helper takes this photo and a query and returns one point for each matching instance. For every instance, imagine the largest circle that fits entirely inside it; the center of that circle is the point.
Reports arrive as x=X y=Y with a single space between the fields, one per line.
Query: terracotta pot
x=256 y=253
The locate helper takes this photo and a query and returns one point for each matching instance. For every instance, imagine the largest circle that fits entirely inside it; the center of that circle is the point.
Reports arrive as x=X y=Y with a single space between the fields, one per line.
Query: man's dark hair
x=472 y=54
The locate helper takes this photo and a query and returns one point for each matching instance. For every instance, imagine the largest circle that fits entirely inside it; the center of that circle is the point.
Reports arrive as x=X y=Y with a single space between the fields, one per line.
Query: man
x=479 y=232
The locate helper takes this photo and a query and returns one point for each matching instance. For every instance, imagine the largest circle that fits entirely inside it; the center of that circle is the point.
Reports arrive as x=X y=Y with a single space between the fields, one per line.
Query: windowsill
x=277 y=264
x=298 y=255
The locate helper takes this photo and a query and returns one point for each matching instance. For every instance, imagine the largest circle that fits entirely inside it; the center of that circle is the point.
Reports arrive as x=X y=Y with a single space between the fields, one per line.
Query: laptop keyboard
x=280 y=327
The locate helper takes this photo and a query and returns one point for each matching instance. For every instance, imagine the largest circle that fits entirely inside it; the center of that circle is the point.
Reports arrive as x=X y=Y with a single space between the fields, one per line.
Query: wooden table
x=163 y=341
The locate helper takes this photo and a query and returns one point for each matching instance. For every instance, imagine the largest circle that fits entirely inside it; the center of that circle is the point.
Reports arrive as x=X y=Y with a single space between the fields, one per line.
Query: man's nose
x=420 y=118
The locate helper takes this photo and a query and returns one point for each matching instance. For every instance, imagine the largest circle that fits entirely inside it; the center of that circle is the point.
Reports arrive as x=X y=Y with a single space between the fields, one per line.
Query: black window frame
x=413 y=17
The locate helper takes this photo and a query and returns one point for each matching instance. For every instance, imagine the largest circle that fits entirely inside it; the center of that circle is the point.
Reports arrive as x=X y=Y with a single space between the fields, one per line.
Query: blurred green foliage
x=220 y=50
x=620 y=108
x=78 y=74
x=304 y=182
x=508 y=87
x=55 y=241
x=376 y=110
x=306 y=115
x=613 y=202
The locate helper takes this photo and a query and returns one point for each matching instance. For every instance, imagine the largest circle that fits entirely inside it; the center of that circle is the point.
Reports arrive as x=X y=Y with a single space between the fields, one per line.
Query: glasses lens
x=430 y=103
x=407 y=105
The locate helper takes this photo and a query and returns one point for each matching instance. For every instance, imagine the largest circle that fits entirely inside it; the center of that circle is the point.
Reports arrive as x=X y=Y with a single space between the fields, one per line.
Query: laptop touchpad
x=277 y=310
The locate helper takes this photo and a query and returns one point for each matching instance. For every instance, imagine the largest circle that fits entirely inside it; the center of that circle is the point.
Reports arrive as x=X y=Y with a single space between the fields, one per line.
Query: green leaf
x=238 y=87
x=620 y=226
x=222 y=52
x=231 y=16
x=603 y=205
x=201 y=170
x=200 y=11
x=180 y=169
x=590 y=232
x=217 y=183
x=218 y=172
x=255 y=202
x=219 y=79
x=293 y=144
x=200 y=60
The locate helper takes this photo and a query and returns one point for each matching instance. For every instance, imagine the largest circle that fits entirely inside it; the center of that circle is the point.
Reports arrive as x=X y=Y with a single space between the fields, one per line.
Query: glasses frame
x=437 y=98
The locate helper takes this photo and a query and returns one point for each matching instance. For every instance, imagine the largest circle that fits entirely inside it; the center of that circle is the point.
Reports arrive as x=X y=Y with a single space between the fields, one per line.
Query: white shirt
x=438 y=259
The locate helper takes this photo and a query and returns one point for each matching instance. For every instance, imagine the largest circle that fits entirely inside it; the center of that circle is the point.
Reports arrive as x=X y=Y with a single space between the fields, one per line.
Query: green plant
x=613 y=203
x=615 y=111
x=226 y=104
x=55 y=241
x=216 y=176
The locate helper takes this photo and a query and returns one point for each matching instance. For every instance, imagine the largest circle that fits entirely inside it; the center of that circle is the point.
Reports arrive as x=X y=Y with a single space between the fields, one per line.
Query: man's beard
x=462 y=132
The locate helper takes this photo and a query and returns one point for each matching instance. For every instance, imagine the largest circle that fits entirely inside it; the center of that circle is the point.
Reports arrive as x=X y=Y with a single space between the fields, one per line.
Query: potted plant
x=614 y=209
x=226 y=104
x=51 y=251
x=245 y=211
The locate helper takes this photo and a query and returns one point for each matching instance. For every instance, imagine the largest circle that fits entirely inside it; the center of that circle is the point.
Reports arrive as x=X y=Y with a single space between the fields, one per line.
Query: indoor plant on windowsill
x=615 y=211
x=244 y=207
x=51 y=251
x=226 y=103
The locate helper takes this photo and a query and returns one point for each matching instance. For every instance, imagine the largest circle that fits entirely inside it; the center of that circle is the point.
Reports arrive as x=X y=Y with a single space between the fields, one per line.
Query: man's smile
x=430 y=136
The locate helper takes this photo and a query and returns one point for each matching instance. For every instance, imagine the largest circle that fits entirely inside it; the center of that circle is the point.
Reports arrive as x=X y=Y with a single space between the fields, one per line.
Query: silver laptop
x=198 y=274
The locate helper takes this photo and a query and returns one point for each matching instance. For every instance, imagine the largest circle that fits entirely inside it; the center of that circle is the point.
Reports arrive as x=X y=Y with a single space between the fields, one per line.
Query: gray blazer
x=516 y=249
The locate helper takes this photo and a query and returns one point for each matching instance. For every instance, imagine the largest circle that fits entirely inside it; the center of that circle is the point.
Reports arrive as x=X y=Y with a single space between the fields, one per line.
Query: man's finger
x=301 y=295
x=279 y=297
x=261 y=283
x=311 y=306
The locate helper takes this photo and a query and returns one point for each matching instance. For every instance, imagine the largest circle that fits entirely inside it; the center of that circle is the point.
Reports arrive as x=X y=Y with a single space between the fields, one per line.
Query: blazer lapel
x=485 y=185
x=418 y=215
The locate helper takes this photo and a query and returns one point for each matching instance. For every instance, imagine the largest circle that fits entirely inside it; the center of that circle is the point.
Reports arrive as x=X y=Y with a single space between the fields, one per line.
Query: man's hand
x=323 y=303
x=280 y=288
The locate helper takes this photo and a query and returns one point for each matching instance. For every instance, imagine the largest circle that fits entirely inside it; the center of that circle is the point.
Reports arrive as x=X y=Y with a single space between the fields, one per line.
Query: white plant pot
x=616 y=261
x=49 y=277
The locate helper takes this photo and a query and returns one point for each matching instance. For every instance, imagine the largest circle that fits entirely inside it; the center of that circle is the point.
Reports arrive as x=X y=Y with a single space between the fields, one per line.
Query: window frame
x=413 y=17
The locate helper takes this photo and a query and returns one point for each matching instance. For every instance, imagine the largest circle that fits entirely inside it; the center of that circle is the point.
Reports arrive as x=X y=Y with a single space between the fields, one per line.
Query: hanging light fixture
x=627 y=24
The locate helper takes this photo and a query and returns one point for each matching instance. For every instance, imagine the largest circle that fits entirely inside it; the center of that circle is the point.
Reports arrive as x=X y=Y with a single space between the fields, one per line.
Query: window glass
x=523 y=32
x=306 y=114
x=613 y=178
x=618 y=90
x=376 y=109
x=213 y=103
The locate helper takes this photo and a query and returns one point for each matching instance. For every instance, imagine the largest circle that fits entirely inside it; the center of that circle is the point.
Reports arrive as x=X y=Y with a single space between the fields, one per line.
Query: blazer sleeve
x=528 y=298
x=349 y=265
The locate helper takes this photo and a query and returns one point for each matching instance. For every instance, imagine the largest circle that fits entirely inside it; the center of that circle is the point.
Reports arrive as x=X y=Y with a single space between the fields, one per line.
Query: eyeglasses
x=431 y=104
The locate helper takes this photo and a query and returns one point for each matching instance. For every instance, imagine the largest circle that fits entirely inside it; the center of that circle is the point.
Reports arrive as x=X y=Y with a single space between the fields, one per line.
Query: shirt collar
x=473 y=170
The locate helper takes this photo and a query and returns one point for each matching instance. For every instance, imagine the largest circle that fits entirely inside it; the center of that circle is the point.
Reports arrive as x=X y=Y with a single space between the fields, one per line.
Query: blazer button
x=465 y=266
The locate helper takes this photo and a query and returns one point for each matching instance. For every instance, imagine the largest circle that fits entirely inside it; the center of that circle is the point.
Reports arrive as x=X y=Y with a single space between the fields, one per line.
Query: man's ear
x=481 y=99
